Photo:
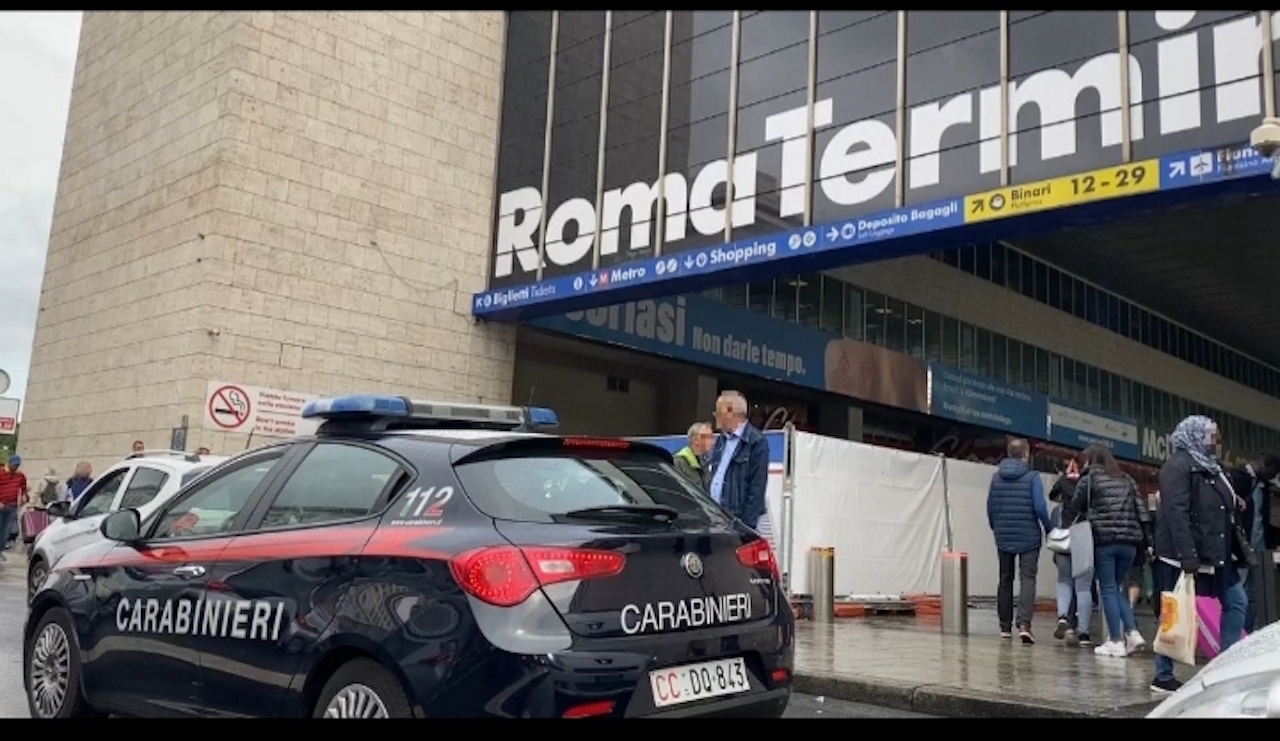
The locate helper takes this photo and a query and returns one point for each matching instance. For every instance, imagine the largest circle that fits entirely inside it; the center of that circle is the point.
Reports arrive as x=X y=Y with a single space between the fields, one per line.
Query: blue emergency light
x=374 y=412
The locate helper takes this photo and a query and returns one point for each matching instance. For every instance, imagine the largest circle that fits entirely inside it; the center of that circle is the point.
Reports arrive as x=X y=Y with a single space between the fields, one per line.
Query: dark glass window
x=927 y=29
x=810 y=308
x=633 y=135
x=854 y=155
x=854 y=316
x=832 y=305
x=933 y=336
x=874 y=310
x=773 y=80
x=698 y=127
x=915 y=343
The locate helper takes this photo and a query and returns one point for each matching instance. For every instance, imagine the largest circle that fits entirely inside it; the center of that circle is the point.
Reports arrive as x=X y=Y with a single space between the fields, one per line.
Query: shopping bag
x=32 y=523
x=1081 y=549
x=1177 y=636
x=1209 y=622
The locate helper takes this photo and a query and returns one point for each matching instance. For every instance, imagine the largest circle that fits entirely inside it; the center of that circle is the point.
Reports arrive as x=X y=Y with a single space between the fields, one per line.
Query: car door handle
x=189 y=572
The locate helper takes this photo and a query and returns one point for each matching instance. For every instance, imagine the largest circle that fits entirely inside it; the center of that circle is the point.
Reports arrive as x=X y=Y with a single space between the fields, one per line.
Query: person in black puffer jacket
x=1108 y=498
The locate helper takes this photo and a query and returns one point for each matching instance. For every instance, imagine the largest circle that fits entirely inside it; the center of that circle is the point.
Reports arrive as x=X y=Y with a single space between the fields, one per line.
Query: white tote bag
x=1177 y=636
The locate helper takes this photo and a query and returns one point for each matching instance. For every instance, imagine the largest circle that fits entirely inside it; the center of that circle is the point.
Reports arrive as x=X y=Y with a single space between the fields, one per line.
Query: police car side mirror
x=123 y=526
x=59 y=509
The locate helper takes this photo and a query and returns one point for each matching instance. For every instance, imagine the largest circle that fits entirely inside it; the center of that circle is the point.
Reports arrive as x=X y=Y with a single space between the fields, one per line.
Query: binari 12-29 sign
x=858 y=163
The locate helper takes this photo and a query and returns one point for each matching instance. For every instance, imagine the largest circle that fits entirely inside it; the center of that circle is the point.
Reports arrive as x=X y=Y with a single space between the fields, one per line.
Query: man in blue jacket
x=1019 y=518
x=739 y=462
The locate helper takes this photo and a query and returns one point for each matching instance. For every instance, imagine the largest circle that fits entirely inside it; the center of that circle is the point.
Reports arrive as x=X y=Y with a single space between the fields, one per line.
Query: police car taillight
x=759 y=556
x=602 y=443
x=505 y=576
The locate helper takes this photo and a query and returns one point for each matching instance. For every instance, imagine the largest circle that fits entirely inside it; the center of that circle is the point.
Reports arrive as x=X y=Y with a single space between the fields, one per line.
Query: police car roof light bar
x=381 y=412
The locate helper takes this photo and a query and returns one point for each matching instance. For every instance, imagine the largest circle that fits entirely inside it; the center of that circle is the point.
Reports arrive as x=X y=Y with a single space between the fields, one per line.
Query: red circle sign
x=229 y=407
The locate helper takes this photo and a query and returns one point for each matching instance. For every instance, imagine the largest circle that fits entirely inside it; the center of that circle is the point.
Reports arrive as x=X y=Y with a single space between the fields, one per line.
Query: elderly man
x=739 y=462
x=688 y=460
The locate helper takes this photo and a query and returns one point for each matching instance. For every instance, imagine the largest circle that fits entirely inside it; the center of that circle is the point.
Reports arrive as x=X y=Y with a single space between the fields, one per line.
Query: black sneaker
x=1025 y=634
x=1085 y=640
x=1165 y=686
x=1061 y=630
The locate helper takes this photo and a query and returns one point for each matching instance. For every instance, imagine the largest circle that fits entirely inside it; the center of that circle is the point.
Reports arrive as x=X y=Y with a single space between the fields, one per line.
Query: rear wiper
x=626 y=511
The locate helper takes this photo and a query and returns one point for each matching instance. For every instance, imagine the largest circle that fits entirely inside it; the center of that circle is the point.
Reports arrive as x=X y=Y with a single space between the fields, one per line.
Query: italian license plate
x=681 y=684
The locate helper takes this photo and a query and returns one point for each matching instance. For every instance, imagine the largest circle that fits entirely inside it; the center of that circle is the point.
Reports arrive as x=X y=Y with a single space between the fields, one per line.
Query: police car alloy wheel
x=362 y=688
x=356 y=701
x=37 y=574
x=52 y=670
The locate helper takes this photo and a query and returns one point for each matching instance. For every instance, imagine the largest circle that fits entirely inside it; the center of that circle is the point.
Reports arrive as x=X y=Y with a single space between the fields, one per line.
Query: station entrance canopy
x=1109 y=142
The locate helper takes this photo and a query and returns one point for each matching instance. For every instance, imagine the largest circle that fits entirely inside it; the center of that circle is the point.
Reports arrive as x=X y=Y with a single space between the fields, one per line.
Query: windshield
x=544 y=488
x=194 y=474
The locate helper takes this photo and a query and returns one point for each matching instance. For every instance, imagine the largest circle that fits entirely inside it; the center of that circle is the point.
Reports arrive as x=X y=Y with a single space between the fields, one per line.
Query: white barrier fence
x=884 y=512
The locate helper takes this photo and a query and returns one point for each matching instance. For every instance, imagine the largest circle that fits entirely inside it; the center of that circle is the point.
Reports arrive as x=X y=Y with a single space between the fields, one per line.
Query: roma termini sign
x=857 y=165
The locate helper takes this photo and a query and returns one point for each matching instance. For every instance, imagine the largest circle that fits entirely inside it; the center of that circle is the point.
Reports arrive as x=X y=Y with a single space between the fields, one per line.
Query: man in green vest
x=688 y=460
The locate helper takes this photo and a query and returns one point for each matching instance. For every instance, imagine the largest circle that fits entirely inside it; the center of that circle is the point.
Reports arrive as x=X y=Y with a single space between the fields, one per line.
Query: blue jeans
x=1224 y=584
x=1070 y=587
x=1112 y=563
x=8 y=515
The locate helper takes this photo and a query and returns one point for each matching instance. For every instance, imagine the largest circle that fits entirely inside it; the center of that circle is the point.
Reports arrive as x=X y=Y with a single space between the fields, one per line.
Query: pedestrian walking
x=739 y=461
x=1074 y=594
x=1019 y=519
x=1107 y=498
x=1195 y=533
x=13 y=491
x=80 y=480
x=1252 y=483
x=688 y=460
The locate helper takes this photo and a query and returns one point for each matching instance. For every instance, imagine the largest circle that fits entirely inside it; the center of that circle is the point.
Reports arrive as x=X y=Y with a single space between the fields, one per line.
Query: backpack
x=49 y=494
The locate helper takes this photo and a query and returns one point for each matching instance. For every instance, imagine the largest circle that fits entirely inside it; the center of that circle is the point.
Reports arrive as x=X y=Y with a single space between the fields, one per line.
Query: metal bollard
x=822 y=583
x=955 y=592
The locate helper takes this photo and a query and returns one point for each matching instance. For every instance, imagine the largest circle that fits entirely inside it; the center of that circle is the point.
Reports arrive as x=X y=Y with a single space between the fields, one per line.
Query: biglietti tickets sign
x=1201 y=83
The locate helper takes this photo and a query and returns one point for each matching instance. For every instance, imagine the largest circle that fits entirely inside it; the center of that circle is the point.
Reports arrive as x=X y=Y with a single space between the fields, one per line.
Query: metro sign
x=859 y=162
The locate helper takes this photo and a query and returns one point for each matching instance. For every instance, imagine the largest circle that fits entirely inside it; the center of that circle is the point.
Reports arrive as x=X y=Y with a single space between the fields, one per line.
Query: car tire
x=362 y=688
x=36 y=573
x=51 y=670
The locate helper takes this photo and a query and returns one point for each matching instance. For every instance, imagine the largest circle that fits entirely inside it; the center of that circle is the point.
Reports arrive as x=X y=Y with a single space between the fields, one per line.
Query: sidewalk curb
x=950 y=702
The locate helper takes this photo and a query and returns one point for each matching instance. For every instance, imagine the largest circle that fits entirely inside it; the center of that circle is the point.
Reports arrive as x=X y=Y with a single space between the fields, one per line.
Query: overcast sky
x=37 y=60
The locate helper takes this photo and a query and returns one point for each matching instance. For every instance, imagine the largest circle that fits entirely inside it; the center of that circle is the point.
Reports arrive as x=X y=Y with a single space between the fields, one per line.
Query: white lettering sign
x=236 y=407
x=699 y=612
x=858 y=163
x=241 y=619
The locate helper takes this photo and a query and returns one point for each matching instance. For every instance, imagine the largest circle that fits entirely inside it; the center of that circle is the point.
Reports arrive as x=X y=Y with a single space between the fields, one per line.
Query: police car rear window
x=543 y=488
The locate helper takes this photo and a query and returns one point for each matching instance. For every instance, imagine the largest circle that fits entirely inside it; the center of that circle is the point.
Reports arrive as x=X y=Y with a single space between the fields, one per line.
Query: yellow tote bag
x=1177 y=636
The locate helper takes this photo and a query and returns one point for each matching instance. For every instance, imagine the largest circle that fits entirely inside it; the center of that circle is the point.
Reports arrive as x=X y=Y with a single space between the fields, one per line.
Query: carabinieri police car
x=418 y=559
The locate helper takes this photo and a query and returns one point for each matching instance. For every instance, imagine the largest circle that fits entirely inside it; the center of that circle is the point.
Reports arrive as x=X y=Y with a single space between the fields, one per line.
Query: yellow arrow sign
x=1069 y=190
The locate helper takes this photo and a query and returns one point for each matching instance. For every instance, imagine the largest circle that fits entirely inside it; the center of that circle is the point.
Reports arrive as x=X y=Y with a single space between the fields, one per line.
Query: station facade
x=877 y=224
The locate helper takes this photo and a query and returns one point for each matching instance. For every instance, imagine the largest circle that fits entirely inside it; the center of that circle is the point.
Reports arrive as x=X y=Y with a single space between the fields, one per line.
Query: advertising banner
x=1077 y=428
x=700 y=330
x=966 y=397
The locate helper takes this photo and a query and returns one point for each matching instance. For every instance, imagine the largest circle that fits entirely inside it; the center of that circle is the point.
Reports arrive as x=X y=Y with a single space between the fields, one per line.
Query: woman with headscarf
x=1196 y=532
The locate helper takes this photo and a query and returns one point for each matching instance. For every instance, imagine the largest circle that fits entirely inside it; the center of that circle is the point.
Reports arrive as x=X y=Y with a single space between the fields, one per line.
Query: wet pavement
x=907 y=663
x=13 y=613
x=817 y=706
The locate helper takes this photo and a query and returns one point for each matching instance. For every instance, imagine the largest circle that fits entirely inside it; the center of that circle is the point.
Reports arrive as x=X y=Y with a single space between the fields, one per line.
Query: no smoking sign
x=229 y=407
